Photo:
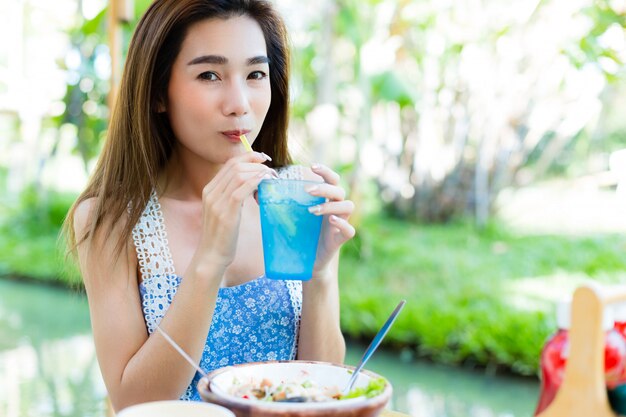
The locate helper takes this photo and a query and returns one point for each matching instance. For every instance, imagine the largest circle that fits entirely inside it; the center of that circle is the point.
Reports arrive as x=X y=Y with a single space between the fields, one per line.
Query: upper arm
x=114 y=303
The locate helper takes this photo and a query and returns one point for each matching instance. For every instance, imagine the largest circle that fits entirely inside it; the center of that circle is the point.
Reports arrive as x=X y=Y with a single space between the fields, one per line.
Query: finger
x=339 y=208
x=238 y=192
x=220 y=182
x=328 y=174
x=248 y=157
x=238 y=179
x=258 y=157
x=249 y=166
x=343 y=227
x=232 y=197
x=331 y=192
x=254 y=158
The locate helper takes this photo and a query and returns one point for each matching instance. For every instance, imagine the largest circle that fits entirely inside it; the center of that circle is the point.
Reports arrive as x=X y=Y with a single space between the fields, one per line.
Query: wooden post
x=120 y=12
x=583 y=391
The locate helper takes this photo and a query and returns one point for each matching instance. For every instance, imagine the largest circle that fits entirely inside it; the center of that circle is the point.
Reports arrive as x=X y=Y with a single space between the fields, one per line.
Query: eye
x=208 y=76
x=257 y=75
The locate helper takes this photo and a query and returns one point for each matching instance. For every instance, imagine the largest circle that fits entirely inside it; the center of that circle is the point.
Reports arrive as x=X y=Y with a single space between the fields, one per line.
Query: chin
x=224 y=156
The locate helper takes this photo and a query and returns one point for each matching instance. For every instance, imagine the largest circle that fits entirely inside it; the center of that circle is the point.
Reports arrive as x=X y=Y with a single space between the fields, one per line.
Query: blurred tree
x=88 y=64
x=442 y=103
x=446 y=103
x=88 y=85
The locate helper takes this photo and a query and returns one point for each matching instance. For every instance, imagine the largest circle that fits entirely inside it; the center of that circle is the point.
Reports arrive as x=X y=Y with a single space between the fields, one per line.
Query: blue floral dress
x=255 y=321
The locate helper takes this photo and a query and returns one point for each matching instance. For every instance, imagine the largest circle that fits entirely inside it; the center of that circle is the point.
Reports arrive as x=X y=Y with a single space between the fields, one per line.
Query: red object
x=620 y=326
x=554 y=359
x=614 y=358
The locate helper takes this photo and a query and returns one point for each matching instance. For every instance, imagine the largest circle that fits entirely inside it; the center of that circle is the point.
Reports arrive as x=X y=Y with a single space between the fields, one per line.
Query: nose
x=236 y=100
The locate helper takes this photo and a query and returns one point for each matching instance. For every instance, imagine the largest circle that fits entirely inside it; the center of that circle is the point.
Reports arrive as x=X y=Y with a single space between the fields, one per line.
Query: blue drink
x=290 y=232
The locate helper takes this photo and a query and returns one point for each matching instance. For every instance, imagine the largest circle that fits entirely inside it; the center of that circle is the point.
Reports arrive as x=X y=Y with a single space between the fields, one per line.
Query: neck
x=185 y=175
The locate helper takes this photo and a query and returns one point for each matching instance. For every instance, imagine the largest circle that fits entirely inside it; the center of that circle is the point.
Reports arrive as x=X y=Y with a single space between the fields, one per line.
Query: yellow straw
x=246 y=145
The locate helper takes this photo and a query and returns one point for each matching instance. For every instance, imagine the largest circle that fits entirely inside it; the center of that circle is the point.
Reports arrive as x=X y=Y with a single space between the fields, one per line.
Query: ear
x=159 y=103
x=161 y=107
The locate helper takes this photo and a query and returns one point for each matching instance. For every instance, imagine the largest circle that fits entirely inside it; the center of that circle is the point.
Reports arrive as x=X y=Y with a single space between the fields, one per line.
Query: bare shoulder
x=82 y=216
x=100 y=253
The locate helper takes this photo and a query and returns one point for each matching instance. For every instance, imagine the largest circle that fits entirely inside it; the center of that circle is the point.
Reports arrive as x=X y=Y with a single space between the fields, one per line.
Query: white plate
x=175 y=409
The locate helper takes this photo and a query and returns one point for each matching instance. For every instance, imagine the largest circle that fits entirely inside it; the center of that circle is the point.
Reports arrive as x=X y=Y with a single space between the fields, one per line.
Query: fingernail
x=333 y=218
x=275 y=174
x=266 y=156
x=315 y=209
x=312 y=188
x=315 y=167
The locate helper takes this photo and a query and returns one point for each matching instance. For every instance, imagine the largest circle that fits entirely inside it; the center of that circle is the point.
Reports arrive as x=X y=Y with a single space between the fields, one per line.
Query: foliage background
x=434 y=112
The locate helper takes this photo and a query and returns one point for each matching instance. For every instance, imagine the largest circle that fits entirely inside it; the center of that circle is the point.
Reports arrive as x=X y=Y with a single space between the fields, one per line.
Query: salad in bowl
x=295 y=388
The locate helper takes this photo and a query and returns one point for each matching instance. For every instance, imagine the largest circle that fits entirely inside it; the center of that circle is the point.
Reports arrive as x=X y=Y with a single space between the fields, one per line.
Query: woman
x=167 y=231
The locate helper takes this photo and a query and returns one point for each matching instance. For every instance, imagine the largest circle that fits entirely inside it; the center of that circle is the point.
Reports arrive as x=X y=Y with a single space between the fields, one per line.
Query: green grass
x=480 y=298
x=474 y=297
x=29 y=232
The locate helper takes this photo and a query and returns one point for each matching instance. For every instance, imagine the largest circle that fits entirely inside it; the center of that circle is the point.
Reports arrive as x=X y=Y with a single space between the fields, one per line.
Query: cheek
x=186 y=123
x=263 y=102
x=183 y=98
x=186 y=108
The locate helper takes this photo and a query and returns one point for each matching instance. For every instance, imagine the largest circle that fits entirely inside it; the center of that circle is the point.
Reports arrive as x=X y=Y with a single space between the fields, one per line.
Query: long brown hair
x=140 y=139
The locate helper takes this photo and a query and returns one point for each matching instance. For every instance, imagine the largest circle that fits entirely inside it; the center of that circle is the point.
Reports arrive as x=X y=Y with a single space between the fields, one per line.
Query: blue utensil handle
x=374 y=344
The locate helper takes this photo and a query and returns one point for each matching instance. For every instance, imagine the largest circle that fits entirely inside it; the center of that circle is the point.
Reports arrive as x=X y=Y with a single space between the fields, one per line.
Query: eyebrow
x=222 y=60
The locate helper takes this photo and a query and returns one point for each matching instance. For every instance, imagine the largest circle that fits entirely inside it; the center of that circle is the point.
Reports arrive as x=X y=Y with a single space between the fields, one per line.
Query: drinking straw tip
x=245 y=142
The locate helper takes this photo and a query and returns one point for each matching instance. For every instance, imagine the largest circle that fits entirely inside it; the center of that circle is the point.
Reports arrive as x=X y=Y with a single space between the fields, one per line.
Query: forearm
x=157 y=371
x=320 y=333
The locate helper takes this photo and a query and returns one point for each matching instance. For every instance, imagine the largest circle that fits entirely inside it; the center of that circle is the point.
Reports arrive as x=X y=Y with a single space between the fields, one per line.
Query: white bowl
x=175 y=409
x=216 y=388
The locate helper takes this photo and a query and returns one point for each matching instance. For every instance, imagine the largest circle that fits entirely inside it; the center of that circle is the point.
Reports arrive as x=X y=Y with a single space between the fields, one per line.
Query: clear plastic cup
x=290 y=232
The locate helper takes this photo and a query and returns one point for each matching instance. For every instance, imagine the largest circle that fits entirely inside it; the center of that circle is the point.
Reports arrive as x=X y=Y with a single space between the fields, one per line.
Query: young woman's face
x=219 y=87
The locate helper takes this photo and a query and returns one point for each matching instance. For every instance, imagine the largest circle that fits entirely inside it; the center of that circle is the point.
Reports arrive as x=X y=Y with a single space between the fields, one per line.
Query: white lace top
x=255 y=321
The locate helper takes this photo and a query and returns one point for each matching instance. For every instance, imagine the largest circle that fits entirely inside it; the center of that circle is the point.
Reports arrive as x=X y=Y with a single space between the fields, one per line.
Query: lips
x=233 y=135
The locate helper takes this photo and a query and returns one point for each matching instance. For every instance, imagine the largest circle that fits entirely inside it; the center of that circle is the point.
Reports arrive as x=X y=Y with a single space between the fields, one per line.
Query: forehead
x=236 y=38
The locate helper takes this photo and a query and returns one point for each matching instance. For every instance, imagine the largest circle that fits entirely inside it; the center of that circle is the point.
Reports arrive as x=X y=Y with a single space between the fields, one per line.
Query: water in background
x=48 y=367
x=47 y=361
x=428 y=390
